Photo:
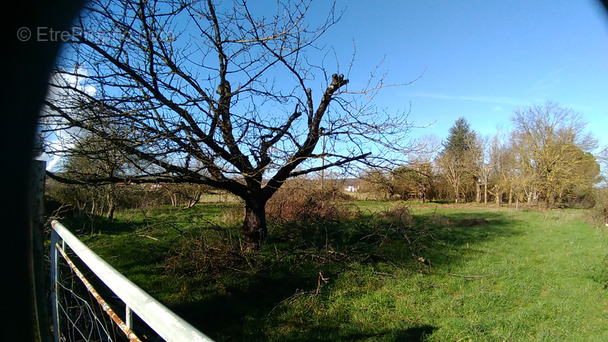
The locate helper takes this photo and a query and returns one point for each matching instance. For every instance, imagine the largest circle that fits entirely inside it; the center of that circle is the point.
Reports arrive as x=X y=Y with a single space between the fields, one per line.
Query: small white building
x=351 y=188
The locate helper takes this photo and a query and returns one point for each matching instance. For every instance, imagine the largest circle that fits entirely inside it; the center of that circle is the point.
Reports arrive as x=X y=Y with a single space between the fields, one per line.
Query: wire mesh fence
x=91 y=301
x=81 y=317
x=86 y=308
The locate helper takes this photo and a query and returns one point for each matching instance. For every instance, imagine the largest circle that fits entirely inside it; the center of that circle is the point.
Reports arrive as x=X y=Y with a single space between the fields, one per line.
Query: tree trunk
x=173 y=197
x=192 y=201
x=423 y=193
x=92 y=207
x=111 y=206
x=111 y=209
x=193 y=198
x=477 y=191
x=485 y=192
x=254 y=227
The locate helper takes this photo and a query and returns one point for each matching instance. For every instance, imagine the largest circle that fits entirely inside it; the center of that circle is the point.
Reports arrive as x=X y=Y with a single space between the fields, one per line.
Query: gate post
x=36 y=236
x=54 y=284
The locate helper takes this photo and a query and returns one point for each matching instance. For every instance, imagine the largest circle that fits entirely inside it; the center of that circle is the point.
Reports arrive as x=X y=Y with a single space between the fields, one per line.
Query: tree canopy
x=213 y=93
x=552 y=148
x=461 y=138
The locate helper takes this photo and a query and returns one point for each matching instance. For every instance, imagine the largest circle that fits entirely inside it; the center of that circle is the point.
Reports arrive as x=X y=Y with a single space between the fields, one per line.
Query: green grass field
x=447 y=274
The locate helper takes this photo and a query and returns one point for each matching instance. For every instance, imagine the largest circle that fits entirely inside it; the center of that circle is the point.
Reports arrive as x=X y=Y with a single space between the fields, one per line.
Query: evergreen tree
x=461 y=137
x=457 y=160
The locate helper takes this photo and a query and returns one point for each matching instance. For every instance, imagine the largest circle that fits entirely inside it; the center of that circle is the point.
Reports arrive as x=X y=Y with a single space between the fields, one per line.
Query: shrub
x=399 y=216
x=203 y=253
x=600 y=210
x=234 y=215
x=98 y=199
x=304 y=203
x=106 y=198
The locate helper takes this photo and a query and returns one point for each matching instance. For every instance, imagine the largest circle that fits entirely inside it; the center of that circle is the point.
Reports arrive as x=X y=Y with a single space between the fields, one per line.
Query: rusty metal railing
x=159 y=318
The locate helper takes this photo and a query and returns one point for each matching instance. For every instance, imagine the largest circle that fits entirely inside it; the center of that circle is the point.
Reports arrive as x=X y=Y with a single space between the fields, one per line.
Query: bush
x=234 y=215
x=204 y=253
x=399 y=216
x=99 y=199
x=106 y=198
x=600 y=210
x=305 y=203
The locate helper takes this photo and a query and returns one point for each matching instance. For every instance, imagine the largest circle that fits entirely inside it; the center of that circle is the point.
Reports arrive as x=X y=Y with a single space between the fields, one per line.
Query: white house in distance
x=351 y=185
x=351 y=188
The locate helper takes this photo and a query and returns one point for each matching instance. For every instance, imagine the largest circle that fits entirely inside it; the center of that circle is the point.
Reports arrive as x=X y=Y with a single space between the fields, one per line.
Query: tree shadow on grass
x=238 y=303
x=243 y=317
x=236 y=314
x=415 y=334
x=82 y=224
x=245 y=309
x=454 y=236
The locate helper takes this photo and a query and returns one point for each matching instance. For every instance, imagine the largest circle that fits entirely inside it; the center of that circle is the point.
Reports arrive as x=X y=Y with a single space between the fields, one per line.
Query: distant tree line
x=545 y=160
x=104 y=200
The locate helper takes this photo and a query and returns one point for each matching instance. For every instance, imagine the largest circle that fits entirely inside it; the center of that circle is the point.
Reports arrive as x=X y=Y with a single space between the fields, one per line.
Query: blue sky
x=481 y=59
x=478 y=59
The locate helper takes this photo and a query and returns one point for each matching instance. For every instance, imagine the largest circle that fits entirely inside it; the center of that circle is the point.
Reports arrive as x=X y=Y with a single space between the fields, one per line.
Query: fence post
x=128 y=317
x=36 y=226
x=54 y=284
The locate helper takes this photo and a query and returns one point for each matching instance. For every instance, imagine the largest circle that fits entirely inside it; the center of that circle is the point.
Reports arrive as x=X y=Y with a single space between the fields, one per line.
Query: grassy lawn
x=447 y=274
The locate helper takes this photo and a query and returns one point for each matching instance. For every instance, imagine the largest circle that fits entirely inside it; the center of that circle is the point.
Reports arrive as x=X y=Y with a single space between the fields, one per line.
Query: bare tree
x=216 y=94
x=554 y=148
x=377 y=181
x=415 y=178
x=422 y=162
x=602 y=159
x=483 y=166
x=94 y=157
x=501 y=168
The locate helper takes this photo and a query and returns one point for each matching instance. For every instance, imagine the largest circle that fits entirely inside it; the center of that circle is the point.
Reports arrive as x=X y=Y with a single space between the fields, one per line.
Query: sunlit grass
x=487 y=275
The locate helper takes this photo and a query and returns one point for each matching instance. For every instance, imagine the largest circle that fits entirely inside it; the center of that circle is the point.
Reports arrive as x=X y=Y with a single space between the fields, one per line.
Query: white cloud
x=90 y=90
x=545 y=86
x=501 y=100
x=63 y=90
x=52 y=161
